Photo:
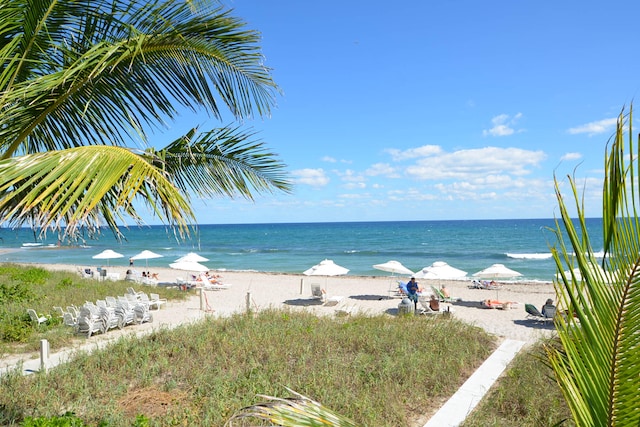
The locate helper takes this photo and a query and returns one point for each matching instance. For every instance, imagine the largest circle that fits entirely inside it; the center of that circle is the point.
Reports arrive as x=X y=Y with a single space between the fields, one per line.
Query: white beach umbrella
x=192 y=257
x=394 y=267
x=146 y=255
x=107 y=254
x=189 y=266
x=326 y=268
x=440 y=270
x=497 y=271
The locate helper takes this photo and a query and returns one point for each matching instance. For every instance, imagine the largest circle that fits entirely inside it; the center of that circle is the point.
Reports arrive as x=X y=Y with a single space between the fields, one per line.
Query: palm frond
x=225 y=161
x=598 y=363
x=299 y=411
x=121 y=67
x=81 y=187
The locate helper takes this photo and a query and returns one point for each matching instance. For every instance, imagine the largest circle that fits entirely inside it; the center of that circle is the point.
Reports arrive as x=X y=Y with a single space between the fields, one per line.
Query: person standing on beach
x=412 y=291
x=130 y=262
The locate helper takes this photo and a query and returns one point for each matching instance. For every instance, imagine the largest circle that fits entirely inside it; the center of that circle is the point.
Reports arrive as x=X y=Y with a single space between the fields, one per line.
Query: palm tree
x=80 y=81
x=597 y=360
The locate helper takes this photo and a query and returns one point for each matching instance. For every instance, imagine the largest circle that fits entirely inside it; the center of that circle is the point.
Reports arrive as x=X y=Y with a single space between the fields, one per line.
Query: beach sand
x=359 y=294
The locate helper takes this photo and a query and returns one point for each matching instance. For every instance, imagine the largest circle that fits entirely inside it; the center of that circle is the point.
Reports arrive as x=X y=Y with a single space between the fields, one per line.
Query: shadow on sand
x=369 y=297
x=535 y=324
x=303 y=302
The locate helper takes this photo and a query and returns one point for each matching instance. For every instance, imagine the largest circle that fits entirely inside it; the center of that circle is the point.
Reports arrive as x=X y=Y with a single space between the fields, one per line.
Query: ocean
x=519 y=244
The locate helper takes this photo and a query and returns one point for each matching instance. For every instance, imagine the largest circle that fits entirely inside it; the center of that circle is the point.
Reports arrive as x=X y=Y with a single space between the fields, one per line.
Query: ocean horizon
x=470 y=245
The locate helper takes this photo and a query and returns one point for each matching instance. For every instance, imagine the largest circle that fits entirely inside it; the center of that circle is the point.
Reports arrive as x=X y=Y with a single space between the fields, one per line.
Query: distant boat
x=28 y=245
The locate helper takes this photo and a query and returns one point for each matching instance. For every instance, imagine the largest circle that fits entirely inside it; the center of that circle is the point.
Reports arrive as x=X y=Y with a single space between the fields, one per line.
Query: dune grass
x=377 y=371
x=23 y=287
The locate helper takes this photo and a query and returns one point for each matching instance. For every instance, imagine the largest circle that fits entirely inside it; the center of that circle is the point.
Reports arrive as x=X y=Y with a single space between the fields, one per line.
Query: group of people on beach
x=414 y=291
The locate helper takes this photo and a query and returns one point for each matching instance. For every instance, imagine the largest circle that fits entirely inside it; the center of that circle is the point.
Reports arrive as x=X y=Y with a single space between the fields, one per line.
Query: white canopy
x=189 y=266
x=440 y=270
x=146 y=255
x=192 y=257
x=326 y=268
x=394 y=267
x=107 y=254
x=497 y=271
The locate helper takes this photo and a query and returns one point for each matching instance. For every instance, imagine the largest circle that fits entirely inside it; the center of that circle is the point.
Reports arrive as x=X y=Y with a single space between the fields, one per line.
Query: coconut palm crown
x=597 y=363
x=83 y=84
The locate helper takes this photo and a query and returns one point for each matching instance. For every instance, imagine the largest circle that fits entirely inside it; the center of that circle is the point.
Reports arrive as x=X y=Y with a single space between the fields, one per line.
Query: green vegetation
x=598 y=362
x=83 y=88
x=381 y=371
x=28 y=287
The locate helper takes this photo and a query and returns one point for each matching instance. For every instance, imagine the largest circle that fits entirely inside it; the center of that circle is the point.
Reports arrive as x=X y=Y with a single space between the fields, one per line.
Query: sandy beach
x=362 y=294
x=369 y=295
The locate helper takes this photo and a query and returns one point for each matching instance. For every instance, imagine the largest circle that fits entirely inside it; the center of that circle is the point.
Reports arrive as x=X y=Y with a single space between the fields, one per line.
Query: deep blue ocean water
x=520 y=244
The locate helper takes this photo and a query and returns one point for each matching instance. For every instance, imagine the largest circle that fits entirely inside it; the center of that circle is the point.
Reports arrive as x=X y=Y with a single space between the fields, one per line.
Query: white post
x=248 y=302
x=44 y=355
x=301 y=285
x=201 y=299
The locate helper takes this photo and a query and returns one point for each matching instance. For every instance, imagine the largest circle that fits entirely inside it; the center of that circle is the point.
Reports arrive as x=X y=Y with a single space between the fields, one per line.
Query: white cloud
x=571 y=156
x=425 y=150
x=384 y=169
x=329 y=159
x=594 y=128
x=481 y=162
x=503 y=125
x=350 y=176
x=312 y=177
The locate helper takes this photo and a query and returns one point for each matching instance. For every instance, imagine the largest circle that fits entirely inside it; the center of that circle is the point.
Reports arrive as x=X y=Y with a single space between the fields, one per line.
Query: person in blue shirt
x=412 y=291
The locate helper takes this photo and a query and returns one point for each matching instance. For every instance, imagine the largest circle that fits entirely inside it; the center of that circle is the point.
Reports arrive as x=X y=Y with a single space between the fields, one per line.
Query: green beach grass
x=378 y=371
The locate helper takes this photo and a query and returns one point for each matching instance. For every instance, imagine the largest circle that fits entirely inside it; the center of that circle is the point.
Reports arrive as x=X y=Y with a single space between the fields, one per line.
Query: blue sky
x=414 y=110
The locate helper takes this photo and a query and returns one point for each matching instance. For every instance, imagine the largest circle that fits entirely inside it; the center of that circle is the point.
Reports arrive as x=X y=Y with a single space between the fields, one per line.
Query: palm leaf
x=104 y=73
x=598 y=362
x=73 y=188
x=223 y=162
x=299 y=411
x=122 y=67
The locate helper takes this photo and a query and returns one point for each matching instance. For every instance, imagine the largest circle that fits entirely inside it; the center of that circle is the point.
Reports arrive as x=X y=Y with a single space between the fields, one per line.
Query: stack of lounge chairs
x=112 y=312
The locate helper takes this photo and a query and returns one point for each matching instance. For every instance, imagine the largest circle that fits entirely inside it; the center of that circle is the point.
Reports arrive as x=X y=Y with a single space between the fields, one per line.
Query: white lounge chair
x=317 y=292
x=156 y=300
x=36 y=318
x=426 y=308
x=59 y=310
x=70 y=321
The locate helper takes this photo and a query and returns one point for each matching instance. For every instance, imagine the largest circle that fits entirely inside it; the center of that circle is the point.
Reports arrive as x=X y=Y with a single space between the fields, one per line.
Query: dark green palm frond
x=86 y=186
x=299 y=411
x=105 y=75
x=222 y=162
x=598 y=364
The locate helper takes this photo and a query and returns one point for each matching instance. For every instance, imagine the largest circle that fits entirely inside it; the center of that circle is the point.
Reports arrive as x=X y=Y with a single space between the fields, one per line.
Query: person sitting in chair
x=548 y=309
x=434 y=303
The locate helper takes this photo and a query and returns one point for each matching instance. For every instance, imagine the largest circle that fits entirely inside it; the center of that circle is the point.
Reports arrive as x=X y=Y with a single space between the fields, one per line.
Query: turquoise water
x=520 y=244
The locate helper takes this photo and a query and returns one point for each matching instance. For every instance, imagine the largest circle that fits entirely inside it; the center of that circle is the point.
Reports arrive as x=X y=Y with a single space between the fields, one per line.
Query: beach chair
x=438 y=293
x=36 y=318
x=142 y=313
x=59 y=310
x=317 y=292
x=70 y=321
x=426 y=308
x=398 y=289
x=534 y=314
x=156 y=301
